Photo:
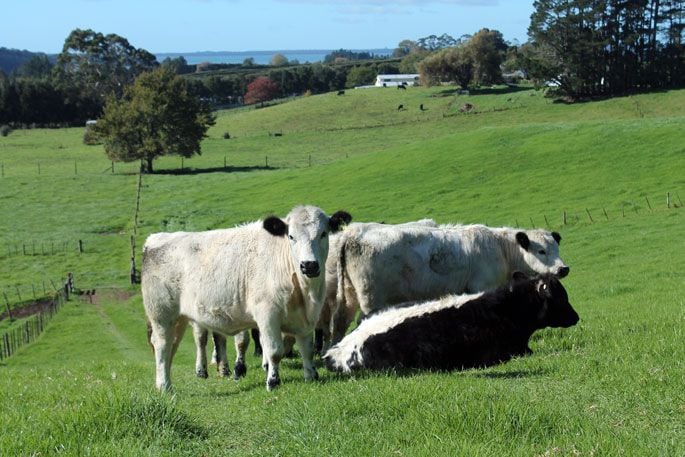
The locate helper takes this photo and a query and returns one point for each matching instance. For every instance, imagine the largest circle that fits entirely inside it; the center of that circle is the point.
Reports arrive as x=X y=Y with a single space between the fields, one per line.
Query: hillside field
x=612 y=385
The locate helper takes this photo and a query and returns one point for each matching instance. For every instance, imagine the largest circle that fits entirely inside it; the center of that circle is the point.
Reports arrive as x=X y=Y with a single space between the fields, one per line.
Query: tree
x=260 y=90
x=156 y=116
x=405 y=47
x=38 y=66
x=361 y=75
x=487 y=49
x=94 y=65
x=279 y=60
x=451 y=64
x=434 y=42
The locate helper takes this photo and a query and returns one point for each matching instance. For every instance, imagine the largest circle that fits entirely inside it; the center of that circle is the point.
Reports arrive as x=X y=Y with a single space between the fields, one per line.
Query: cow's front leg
x=200 y=336
x=272 y=348
x=162 y=340
x=306 y=345
x=242 y=341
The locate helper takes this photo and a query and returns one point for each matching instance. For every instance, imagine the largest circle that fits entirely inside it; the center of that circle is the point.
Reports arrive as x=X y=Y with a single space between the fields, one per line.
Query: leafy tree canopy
x=100 y=65
x=260 y=90
x=156 y=116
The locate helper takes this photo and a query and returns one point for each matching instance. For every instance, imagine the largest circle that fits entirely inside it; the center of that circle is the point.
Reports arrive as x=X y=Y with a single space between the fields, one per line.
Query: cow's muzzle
x=310 y=269
x=563 y=272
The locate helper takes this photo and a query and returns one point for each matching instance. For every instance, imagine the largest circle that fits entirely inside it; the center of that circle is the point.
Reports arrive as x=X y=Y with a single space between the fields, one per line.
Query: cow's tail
x=340 y=303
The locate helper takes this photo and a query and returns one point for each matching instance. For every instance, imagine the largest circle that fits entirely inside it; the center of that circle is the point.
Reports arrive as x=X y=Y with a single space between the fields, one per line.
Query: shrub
x=90 y=137
x=5 y=130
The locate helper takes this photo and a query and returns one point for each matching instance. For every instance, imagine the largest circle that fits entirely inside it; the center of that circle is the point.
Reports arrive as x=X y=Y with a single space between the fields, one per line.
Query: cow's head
x=541 y=252
x=553 y=308
x=307 y=229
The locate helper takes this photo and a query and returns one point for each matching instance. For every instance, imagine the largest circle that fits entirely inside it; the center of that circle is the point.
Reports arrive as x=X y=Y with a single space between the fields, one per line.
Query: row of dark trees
x=606 y=47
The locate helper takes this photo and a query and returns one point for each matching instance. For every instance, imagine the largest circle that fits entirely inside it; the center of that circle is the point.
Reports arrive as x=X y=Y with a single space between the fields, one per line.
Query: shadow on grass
x=200 y=171
x=499 y=90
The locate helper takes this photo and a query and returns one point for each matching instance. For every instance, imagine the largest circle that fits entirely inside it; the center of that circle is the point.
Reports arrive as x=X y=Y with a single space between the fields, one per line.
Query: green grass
x=612 y=385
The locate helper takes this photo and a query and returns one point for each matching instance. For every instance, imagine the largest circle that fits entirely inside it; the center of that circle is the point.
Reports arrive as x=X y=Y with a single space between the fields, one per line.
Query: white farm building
x=396 y=80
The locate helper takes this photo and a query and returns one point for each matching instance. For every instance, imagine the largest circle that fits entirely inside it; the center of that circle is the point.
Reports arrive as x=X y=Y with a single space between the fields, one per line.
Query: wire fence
x=42 y=248
x=31 y=328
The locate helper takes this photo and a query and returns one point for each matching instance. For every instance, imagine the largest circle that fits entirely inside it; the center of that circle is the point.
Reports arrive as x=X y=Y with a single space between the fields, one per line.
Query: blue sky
x=242 y=25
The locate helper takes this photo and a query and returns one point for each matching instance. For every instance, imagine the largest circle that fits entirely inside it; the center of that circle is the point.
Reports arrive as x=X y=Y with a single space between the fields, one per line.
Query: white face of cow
x=541 y=252
x=307 y=229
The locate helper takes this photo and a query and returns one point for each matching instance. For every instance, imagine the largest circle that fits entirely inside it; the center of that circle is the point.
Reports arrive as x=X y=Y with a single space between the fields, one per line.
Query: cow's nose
x=563 y=272
x=310 y=269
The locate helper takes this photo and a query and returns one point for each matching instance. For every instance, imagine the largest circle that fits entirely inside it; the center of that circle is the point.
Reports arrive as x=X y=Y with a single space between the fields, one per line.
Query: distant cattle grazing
x=341 y=92
x=268 y=274
x=457 y=331
x=380 y=265
x=421 y=107
x=402 y=87
x=400 y=107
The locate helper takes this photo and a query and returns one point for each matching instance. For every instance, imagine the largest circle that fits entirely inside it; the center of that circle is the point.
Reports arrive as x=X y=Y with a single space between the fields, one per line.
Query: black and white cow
x=457 y=331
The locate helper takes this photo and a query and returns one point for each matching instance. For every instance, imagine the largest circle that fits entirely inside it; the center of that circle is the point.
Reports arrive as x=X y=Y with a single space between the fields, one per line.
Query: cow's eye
x=542 y=252
x=291 y=238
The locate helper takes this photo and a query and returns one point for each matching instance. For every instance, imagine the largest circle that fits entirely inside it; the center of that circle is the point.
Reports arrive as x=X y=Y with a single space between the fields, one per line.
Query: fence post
x=589 y=215
x=605 y=213
x=648 y=205
x=18 y=293
x=7 y=305
x=546 y=221
x=75 y=168
x=80 y=246
x=565 y=218
x=668 y=199
x=266 y=161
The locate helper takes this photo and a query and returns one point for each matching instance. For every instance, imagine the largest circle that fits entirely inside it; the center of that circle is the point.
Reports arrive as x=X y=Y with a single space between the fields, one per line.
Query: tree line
x=606 y=47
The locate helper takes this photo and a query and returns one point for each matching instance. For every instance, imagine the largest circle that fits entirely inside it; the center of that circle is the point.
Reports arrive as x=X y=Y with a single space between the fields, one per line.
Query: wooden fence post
x=648 y=205
x=668 y=199
x=80 y=246
x=589 y=215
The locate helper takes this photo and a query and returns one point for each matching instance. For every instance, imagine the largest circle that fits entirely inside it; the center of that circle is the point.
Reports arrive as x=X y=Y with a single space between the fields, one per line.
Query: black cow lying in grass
x=457 y=331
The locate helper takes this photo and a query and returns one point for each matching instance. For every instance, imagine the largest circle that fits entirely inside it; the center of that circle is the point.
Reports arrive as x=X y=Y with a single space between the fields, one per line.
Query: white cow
x=266 y=274
x=334 y=320
x=380 y=265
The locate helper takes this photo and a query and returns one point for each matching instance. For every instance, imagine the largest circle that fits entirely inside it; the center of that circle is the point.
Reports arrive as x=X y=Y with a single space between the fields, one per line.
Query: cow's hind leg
x=272 y=347
x=242 y=342
x=200 y=335
x=221 y=357
x=306 y=345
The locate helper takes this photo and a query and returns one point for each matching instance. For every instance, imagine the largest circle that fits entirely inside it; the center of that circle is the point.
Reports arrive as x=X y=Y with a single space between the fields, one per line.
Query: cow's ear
x=523 y=240
x=519 y=276
x=275 y=226
x=338 y=220
x=556 y=237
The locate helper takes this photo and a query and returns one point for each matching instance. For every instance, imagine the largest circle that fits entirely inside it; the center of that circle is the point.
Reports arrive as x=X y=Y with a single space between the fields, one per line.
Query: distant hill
x=11 y=59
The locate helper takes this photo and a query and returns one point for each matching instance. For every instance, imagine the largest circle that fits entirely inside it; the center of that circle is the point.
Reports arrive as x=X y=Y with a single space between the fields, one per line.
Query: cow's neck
x=309 y=293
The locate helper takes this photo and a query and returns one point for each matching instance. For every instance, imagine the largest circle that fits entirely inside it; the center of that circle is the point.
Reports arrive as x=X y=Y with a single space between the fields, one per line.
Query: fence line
x=38 y=248
x=134 y=274
x=31 y=328
x=672 y=201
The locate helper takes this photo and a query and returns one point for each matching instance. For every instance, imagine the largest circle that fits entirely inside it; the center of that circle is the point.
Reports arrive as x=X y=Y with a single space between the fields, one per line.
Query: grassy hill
x=611 y=385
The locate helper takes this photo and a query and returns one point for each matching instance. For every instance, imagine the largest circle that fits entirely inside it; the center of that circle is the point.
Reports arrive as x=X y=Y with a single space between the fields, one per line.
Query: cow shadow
x=200 y=171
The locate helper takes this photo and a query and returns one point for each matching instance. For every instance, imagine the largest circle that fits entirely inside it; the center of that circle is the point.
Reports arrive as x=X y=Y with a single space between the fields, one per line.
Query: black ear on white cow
x=523 y=240
x=556 y=237
x=340 y=218
x=519 y=276
x=275 y=226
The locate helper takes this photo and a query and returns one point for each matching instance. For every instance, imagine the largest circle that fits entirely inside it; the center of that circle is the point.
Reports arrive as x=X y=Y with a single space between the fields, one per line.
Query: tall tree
x=156 y=116
x=100 y=65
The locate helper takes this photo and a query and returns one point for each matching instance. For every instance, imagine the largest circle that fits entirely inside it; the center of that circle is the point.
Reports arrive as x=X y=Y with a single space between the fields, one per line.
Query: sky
x=254 y=25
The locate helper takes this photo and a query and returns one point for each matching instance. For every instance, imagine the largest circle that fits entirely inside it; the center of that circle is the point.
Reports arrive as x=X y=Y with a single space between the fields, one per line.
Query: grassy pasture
x=612 y=385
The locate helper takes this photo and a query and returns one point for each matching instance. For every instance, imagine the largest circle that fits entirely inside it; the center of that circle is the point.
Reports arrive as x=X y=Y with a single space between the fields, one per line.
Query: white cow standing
x=381 y=265
x=266 y=274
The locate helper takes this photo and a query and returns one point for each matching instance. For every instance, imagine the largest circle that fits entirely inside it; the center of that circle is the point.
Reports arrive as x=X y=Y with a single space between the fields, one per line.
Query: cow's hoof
x=272 y=383
x=201 y=374
x=239 y=371
x=224 y=371
x=311 y=374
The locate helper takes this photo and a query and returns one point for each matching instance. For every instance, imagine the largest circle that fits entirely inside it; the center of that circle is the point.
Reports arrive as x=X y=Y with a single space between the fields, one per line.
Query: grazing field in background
x=612 y=385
